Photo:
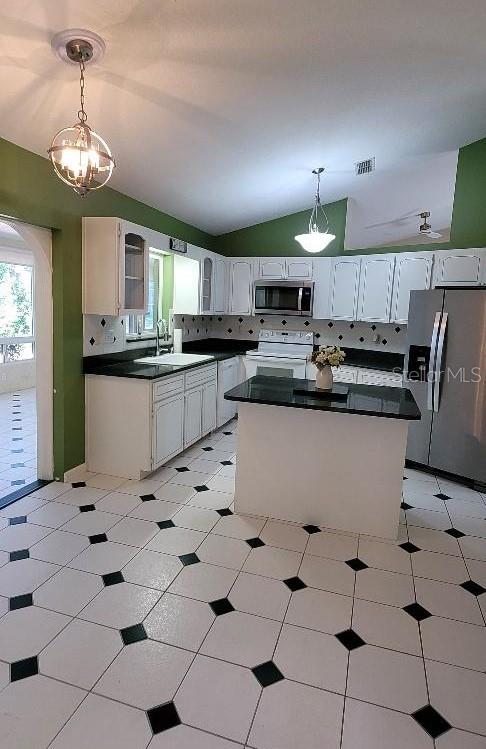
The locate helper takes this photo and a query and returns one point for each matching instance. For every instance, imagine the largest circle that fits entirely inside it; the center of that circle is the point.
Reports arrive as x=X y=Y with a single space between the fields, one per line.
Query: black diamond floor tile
x=86 y=508
x=112 y=578
x=182 y=469
x=98 y=538
x=294 y=583
x=226 y=463
x=311 y=529
x=417 y=611
x=255 y=542
x=442 y=496
x=431 y=721
x=221 y=606
x=406 y=506
x=18 y=520
x=24 y=668
x=132 y=634
x=20 y=602
x=165 y=524
x=187 y=559
x=356 y=564
x=455 y=533
x=15 y=556
x=202 y=488
x=267 y=673
x=472 y=587
x=208 y=449
x=78 y=484
x=148 y=497
x=350 y=639
x=227 y=433
x=163 y=717
x=408 y=546
x=224 y=511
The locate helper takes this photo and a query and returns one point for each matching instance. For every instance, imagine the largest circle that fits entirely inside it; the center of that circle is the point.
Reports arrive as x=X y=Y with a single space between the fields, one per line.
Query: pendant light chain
x=81 y=112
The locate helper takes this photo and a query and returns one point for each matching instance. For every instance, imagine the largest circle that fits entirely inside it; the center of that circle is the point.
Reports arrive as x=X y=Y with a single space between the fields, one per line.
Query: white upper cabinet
x=186 y=286
x=241 y=278
x=413 y=272
x=220 y=286
x=460 y=267
x=322 y=288
x=375 y=291
x=115 y=266
x=280 y=269
x=344 y=288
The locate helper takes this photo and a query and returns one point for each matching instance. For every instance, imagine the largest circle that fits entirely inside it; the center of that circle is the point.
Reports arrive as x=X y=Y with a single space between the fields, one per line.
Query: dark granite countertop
x=367 y=400
x=384 y=361
x=123 y=364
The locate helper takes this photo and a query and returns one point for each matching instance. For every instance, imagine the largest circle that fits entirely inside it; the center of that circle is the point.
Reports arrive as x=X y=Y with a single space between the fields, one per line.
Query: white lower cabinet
x=192 y=416
x=168 y=429
x=208 y=410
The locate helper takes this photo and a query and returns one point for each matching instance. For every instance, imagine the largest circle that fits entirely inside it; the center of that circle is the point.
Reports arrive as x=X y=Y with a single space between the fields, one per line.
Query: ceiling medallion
x=81 y=158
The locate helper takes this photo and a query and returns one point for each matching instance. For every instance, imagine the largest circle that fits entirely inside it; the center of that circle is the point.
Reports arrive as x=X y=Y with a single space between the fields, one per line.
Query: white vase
x=324 y=378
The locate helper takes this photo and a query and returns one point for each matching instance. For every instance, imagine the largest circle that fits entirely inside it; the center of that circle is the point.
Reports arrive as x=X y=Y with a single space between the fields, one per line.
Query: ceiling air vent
x=365 y=167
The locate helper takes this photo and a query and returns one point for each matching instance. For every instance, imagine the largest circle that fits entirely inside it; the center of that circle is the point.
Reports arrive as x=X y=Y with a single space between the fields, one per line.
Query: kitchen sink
x=175 y=359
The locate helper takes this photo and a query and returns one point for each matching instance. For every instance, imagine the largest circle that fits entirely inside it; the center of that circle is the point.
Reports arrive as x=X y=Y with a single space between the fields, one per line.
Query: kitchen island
x=335 y=463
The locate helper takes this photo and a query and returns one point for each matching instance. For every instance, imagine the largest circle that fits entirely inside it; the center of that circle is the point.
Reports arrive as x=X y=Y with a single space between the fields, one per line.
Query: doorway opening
x=26 y=439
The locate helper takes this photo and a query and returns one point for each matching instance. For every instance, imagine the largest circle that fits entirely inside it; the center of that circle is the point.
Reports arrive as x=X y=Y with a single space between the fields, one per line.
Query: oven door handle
x=299 y=299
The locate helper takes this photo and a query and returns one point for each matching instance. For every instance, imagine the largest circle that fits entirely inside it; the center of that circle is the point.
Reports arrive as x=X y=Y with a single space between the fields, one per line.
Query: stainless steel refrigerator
x=445 y=368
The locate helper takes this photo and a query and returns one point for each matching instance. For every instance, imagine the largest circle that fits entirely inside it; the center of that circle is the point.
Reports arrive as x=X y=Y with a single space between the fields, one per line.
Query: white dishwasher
x=228 y=378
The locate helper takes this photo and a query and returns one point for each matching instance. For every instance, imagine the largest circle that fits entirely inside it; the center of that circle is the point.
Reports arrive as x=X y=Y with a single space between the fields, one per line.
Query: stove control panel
x=294 y=337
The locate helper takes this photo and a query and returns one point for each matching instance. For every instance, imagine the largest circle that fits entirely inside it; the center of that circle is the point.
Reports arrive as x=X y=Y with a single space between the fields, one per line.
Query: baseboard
x=75 y=474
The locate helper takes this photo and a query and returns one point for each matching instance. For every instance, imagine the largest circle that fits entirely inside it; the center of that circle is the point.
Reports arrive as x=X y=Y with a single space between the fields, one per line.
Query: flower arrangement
x=327 y=355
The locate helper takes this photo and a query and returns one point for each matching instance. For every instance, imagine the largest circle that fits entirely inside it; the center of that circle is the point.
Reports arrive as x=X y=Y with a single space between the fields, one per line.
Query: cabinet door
x=459 y=267
x=412 y=273
x=376 y=284
x=207 y=267
x=344 y=288
x=209 y=396
x=241 y=287
x=186 y=286
x=273 y=269
x=220 y=287
x=192 y=416
x=168 y=429
x=322 y=288
x=299 y=269
x=134 y=270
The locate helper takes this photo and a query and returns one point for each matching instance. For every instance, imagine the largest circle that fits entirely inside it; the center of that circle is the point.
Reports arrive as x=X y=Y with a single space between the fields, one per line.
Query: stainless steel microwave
x=283 y=298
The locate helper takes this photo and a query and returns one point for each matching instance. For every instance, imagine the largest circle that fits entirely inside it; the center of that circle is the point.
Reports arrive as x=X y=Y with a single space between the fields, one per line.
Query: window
x=140 y=324
x=16 y=312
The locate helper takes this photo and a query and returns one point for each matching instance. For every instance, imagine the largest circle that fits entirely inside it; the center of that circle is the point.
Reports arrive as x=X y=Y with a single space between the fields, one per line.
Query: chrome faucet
x=164 y=336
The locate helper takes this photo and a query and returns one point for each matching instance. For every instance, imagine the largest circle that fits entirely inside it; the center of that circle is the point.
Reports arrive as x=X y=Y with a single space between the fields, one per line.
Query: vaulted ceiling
x=217 y=110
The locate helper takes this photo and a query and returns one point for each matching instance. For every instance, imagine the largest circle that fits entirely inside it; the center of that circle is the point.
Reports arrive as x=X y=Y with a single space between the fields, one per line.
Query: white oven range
x=280 y=354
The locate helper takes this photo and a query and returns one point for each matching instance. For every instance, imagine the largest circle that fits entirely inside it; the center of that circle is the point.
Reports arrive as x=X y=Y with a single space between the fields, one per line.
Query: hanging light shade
x=318 y=237
x=80 y=157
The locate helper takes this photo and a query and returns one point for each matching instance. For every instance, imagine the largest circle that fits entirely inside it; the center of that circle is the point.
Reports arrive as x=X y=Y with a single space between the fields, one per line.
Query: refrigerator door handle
x=438 y=359
x=432 y=362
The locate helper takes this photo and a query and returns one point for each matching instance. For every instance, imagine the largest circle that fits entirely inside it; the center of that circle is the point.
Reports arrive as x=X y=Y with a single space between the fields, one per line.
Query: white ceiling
x=217 y=110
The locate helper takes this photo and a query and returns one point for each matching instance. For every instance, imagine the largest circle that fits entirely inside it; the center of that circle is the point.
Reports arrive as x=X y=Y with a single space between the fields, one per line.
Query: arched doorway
x=36 y=242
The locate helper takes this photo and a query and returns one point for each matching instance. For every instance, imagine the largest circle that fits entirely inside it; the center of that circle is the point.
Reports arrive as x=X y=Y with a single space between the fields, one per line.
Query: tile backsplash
x=106 y=335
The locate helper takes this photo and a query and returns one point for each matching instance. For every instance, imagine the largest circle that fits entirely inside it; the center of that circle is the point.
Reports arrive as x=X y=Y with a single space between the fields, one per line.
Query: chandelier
x=81 y=158
x=318 y=236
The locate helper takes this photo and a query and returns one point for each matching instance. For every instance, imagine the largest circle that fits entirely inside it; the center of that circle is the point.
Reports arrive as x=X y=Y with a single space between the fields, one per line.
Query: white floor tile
x=447 y=600
x=22 y=507
x=80 y=653
x=185 y=737
x=121 y=605
x=428 y=519
x=318 y=609
x=454 y=738
x=284 y=535
x=21 y=536
x=453 y=642
x=228 y=707
x=387 y=678
x=176 y=541
x=473 y=548
x=190 y=478
x=242 y=638
x=179 y=621
x=220 y=550
x=34 y=710
x=133 y=532
x=178 y=493
x=386 y=626
x=153 y=569
x=458 y=695
x=390 y=557
x=312 y=658
x=327 y=574
x=333 y=545
x=25 y=632
x=211 y=500
x=263 y=596
x=288 y=712
x=103 y=558
x=59 y=547
x=372 y=727
x=449 y=569
x=24 y=576
x=222 y=483
x=68 y=591
x=155 y=510
x=272 y=562
x=91 y=523
x=82 y=495
x=430 y=540
x=239 y=526
x=53 y=514
x=100 y=722
x=205 y=582
x=140 y=488
x=118 y=503
x=145 y=674
x=384 y=587
x=196 y=518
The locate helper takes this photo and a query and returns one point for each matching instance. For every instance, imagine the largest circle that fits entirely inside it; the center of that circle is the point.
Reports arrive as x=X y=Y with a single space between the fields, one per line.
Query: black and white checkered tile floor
x=148 y=614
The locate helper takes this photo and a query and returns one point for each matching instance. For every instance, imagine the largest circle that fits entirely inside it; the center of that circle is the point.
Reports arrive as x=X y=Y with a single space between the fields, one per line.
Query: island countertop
x=366 y=400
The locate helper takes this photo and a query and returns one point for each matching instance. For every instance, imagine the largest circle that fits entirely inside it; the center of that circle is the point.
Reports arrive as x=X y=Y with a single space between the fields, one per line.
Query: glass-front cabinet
x=206 y=285
x=135 y=278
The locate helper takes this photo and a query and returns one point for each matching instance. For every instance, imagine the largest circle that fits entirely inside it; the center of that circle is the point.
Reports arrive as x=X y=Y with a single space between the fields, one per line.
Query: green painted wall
x=31 y=192
x=469 y=214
